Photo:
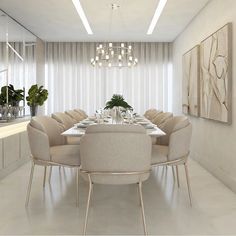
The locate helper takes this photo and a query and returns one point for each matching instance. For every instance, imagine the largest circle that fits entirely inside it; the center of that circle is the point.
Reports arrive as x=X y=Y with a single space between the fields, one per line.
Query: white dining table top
x=78 y=132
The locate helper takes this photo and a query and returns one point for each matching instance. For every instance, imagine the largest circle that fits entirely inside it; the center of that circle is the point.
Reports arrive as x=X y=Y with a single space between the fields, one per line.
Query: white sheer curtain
x=72 y=81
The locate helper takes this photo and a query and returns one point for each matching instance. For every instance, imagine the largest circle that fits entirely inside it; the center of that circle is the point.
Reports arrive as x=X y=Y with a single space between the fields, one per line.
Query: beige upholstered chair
x=174 y=148
x=82 y=113
x=115 y=154
x=48 y=148
x=67 y=122
x=75 y=115
x=161 y=118
x=151 y=113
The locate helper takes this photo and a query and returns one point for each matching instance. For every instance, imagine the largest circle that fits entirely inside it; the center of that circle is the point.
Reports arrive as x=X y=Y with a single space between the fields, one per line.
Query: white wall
x=213 y=143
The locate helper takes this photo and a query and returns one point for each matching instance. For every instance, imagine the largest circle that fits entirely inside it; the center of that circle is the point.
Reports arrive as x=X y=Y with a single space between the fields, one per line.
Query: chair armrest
x=39 y=143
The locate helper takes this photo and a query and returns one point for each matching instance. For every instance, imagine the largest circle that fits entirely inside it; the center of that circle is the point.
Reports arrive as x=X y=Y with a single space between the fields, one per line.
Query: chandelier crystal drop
x=114 y=55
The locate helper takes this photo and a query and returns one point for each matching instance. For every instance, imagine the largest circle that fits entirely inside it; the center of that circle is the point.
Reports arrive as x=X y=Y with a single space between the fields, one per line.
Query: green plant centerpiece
x=117 y=105
x=117 y=100
x=37 y=95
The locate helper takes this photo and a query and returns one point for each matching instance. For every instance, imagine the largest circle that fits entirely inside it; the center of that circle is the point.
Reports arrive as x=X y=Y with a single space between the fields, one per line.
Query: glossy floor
x=115 y=209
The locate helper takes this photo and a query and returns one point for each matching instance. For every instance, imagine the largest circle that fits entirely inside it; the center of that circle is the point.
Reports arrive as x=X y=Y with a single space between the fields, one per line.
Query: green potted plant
x=37 y=95
x=14 y=95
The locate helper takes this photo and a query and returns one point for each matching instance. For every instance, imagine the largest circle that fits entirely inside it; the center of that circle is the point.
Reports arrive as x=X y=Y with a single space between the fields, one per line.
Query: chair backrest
x=64 y=119
x=81 y=112
x=116 y=148
x=161 y=118
x=75 y=115
x=51 y=128
x=179 y=130
x=149 y=114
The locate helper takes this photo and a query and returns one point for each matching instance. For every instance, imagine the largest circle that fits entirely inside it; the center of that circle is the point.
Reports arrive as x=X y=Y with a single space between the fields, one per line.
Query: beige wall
x=213 y=143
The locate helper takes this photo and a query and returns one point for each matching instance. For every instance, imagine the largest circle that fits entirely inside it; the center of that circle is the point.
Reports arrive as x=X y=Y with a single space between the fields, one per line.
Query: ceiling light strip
x=81 y=13
x=156 y=16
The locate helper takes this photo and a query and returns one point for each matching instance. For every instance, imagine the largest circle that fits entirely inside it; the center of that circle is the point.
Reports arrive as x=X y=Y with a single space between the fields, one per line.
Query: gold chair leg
x=188 y=183
x=177 y=174
x=29 y=185
x=44 y=176
x=88 y=204
x=142 y=207
x=77 y=187
x=173 y=172
x=50 y=174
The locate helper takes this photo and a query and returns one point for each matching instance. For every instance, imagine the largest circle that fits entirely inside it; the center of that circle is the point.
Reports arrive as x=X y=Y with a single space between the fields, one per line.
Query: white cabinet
x=1 y=155
x=11 y=149
x=14 y=148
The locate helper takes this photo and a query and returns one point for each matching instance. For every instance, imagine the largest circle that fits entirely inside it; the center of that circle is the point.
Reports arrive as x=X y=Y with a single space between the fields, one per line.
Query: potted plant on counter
x=37 y=95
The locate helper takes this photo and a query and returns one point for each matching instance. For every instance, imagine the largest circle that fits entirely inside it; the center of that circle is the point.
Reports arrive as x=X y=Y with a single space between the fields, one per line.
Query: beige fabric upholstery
x=67 y=122
x=159 y=153
x=116 y=148
x=82 y=113
x=39 y=143
x=151 y=113
x=47 y=143
x=172 y=124
x=63 y=118
x=161 y=118
x=50 y=127
x=65 y=154
x=75 y=115
x=179 y=131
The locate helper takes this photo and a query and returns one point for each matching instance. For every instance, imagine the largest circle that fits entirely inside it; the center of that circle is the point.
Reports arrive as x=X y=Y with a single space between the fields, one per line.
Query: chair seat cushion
x=159 y=154
x=65 y=154
x=73 y=140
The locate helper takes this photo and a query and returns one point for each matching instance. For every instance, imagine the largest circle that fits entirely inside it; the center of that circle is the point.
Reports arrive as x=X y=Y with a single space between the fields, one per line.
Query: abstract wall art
x=215 y=75
x=190 y=85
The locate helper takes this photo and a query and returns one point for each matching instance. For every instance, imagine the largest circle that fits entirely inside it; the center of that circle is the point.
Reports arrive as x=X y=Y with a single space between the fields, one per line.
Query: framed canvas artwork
x=215 y=76
x=190 y=85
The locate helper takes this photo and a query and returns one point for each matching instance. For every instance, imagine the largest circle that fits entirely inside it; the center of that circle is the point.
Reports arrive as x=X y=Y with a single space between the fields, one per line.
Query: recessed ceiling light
x=84 y=19
x=156 y=16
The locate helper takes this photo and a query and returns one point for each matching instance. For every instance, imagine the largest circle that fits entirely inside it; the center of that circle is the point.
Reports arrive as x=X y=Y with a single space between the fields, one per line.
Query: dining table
x=79 y=129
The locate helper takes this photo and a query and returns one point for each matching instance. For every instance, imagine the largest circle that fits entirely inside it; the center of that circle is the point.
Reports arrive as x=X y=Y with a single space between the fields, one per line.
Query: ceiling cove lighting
x=84 y=19
x=156 y=16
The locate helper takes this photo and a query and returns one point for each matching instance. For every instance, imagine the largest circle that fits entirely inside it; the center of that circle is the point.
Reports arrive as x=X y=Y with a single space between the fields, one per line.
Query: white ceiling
x=57 y=20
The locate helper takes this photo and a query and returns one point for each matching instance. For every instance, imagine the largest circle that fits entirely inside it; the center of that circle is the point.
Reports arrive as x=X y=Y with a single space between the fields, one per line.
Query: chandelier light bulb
x=107 y=57
x=96 y=58
x=120 y=64
x=129 y=64
x=112 y=52
x=122 y=52
x=103 y=51
x=129 y=47
x=92 y=60
x=109 y=64
x=122 y=45
x=130 y=58
x=120 y=57
x=100 y=46
x=110 y=45
x=100 y=64
x=136 y=60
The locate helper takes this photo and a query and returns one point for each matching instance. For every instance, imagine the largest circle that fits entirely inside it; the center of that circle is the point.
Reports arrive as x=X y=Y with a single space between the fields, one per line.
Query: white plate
x=82 y=126
x=92 y=118
x=150 y=126
x=143 y=122
x=87 y=122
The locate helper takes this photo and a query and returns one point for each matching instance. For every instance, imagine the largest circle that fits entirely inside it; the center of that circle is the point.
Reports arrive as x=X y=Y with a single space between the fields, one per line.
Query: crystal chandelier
x=114 y=55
